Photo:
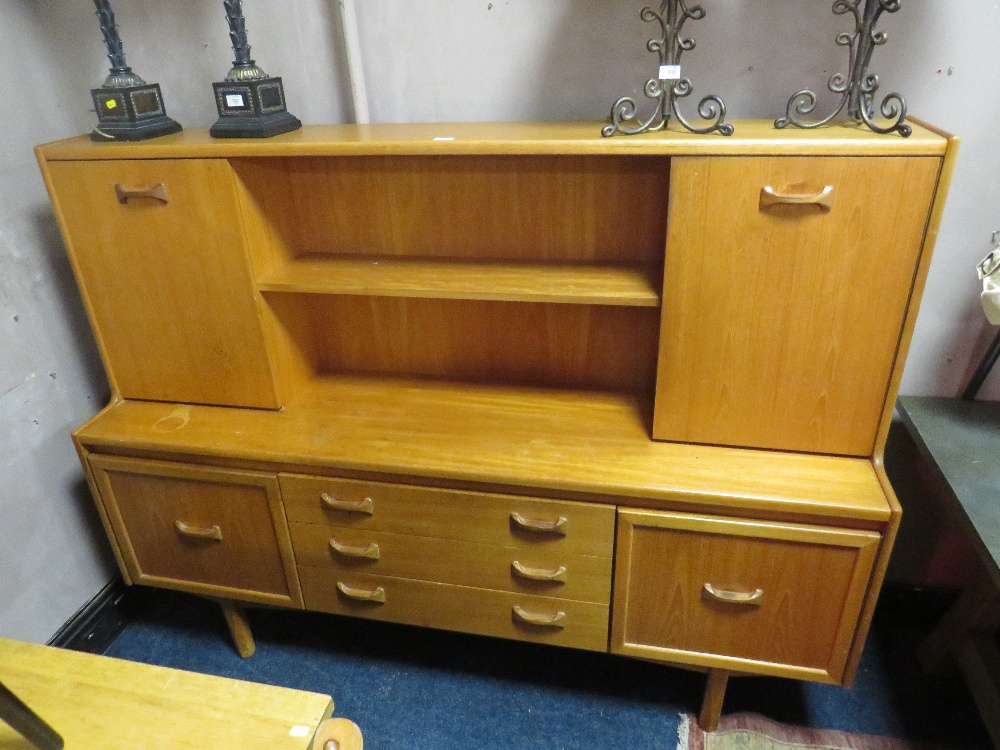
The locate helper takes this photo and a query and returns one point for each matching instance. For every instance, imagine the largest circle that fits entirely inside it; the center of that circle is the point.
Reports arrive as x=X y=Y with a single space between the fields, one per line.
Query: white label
x=445 y=138
x=235 y=100
x=670 y=72
x=299 y=731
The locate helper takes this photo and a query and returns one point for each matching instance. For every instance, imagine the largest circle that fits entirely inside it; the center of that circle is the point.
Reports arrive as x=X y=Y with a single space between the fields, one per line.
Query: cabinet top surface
x=514 y=138
x=569 y=442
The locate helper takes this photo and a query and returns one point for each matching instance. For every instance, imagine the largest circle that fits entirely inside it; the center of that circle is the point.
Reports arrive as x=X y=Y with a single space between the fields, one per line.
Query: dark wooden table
x=960 y=441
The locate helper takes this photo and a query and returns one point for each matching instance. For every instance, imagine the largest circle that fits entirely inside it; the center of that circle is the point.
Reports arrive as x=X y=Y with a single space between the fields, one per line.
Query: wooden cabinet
x=517 y=380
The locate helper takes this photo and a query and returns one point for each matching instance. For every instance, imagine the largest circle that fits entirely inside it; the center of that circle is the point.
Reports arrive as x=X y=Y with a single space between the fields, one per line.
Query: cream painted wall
x=438 y=60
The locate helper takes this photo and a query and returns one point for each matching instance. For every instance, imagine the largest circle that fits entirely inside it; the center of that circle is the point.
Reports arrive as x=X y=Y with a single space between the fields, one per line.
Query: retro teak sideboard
x=517 y=380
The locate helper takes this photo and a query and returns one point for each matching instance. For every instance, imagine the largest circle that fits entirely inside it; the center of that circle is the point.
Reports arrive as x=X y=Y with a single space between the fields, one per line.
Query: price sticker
x=670 y=72
x=235 y=100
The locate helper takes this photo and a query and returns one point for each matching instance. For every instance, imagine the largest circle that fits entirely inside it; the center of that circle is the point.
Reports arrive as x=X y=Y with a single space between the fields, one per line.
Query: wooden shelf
x=443 y=279
x=569 y=442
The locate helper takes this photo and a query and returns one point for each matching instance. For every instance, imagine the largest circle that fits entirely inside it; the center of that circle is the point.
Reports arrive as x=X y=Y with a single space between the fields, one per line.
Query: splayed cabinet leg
x=711 y=704
x=239 y=628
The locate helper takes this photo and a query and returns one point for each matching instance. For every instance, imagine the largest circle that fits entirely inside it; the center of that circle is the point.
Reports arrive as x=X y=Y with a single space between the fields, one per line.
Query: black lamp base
x=252 y=109
x=131 y=113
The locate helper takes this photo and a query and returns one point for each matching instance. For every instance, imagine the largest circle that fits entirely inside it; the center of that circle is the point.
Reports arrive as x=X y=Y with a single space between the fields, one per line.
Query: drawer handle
x=823 y=200
x=545 y=621
x=371 y=552
x=366 y=506
x=198 y=533
x=377 y=596
x=157 y=193
x=752 y=598
x=541 y=527
x=538 y=574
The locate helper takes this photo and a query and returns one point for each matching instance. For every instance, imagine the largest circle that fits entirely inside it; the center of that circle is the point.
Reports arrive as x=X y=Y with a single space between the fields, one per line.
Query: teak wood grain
x=753 y=137
x=627 y=286
x=538 y=209
x=112 y=704
x=470 y=610
x=582 y=346
x=811 y=582
x=169 y=286
x=587 y=443
x=158 y=510
x=780 y=326
x=484 y=566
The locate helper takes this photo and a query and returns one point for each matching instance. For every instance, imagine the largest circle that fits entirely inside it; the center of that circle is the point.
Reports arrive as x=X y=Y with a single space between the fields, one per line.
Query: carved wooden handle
x=376 y=595
x=822 y=200
x=538 y=574
x=371 y=552
x=545 y=621
x=157 y=193
x=753 y=598
x=366 y=506
x=542 y=527
x=198 y=532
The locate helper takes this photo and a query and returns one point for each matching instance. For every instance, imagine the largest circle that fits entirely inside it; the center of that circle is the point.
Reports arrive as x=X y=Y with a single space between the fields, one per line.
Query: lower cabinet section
x=740 y=595
x=217 y=532
x=521 y=617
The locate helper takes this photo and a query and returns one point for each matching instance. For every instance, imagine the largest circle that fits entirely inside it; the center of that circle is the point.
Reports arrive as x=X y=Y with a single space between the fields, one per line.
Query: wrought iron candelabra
x=251 y=103
x=669 y=87
x=859 y=87
x=128 y=108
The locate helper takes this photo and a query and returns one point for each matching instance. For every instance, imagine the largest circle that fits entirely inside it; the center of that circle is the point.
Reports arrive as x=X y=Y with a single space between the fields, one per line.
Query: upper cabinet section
x=160 y=254
x=786 y=287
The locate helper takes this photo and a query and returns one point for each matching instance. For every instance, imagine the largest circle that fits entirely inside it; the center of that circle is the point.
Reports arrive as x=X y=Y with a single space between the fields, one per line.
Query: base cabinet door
x=217 y=532
x=741 y=595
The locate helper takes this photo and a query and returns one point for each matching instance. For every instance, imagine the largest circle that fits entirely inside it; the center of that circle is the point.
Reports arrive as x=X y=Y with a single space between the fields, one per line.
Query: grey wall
x=438 y=60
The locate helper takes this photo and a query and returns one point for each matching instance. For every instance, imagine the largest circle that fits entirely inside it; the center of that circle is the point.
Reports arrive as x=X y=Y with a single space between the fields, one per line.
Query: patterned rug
x=747 y=731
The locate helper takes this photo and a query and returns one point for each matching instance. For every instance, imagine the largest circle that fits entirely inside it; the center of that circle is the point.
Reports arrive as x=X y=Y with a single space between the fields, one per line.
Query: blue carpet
x=417 y=688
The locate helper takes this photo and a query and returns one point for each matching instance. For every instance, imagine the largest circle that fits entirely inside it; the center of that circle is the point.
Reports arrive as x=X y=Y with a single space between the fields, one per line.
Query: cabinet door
x=781 y=320
x=766 y=598
x=166 y=279
x=218 y=532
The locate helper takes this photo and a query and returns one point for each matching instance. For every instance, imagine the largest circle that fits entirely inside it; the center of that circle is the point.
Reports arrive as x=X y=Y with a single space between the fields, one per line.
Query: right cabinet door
x=786 y=284
x=742 y=595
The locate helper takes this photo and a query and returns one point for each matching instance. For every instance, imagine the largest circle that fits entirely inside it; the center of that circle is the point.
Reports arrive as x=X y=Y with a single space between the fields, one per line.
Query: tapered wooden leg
x=239 y=628
x=711 y=704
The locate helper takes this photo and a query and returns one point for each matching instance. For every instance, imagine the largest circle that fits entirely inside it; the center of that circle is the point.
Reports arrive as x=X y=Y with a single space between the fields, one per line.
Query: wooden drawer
x=583 y=528
x=536 y=570
x=787 y=597
x=460 y=608
x=210 y=531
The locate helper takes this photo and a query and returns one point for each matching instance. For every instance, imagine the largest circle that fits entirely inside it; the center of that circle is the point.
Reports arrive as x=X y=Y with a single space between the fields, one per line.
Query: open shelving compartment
x=504 y=271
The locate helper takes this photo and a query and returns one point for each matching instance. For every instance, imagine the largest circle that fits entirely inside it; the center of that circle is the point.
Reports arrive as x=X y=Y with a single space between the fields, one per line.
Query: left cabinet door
x=218 y=532
x=159 y=251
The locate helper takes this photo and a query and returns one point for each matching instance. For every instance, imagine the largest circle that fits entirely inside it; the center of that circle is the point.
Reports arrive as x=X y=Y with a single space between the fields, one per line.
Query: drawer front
x=210 y=531
x=781 y=322
x=504 y=520
x=534 y=570
x=167 y=280
x=469 y=610
x=776 y=599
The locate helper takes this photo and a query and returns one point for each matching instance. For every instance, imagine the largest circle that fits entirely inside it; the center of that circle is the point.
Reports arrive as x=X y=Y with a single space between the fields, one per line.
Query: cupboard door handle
x=157 y=193
x=542 y=527
x=823 y=200
x=545 y=621
x=366 y=506
x=376 y=596
x=539 y=574
x=198 y=533
x=752 y=598
x=371 y=552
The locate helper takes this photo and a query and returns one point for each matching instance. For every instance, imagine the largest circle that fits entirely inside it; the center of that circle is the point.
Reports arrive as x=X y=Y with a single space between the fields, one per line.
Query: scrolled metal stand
x=859 y=87
x=671 y=44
